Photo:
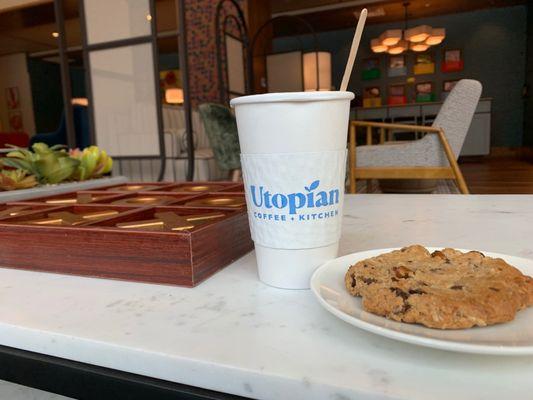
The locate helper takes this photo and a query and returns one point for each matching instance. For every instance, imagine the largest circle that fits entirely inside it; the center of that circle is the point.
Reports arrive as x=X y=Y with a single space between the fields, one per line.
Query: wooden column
x=259 y=11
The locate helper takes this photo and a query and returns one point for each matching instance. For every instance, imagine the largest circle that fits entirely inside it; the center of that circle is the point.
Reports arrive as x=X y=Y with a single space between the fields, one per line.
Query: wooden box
x=181 y=240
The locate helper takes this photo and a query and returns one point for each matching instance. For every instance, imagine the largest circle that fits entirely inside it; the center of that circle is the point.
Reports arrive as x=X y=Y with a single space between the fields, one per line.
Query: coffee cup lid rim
x=291 y=97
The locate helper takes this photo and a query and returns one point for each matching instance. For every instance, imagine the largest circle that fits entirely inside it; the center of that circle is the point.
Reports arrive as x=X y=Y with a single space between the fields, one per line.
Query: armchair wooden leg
x=460 y=180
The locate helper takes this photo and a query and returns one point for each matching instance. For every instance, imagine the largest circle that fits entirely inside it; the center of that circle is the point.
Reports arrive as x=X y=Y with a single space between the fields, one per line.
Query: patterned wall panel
x=203 y=80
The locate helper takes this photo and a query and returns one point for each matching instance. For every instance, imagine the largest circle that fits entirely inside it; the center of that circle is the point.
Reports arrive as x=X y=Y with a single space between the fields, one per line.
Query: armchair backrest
x=457 y=111
x=221 y=129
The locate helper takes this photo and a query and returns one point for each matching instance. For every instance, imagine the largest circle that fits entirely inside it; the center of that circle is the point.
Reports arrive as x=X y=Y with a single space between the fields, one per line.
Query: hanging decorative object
x=418 y=38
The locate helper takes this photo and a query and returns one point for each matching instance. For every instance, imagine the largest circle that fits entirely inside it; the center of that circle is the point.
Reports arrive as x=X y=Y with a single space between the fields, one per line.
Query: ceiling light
x=377 y=46
x=418 y=47
x=418 y=33
x=436 y=37
x=174 y=96
x=312 y=61
x=399 y=48
x=418 y=38
x=390 y=37
x=55 y=34
x=148 y=17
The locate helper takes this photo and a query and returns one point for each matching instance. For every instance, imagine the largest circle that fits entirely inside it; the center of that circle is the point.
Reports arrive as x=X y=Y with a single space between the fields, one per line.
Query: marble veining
x=234 y=334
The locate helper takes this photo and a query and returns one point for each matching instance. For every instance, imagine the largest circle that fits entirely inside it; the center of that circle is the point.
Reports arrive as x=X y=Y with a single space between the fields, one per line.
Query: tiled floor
x=11 y=391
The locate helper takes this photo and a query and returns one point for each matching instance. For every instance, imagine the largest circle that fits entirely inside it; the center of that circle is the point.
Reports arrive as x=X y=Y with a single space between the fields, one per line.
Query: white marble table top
x=234 y=334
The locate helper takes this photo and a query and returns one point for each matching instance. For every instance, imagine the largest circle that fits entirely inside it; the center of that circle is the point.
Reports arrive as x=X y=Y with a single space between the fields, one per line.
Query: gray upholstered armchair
x=432 y=157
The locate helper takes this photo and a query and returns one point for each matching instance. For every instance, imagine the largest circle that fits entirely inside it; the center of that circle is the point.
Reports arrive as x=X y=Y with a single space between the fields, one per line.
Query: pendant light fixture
x=418 y=38
x=377 y=46
x=399 y=47
x=390 y=37
x=418 y=47
x=436 y=37
x=418 y=34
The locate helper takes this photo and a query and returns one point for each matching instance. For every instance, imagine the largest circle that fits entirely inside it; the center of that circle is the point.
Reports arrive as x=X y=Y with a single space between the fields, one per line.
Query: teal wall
x=494 y=51
x=168 y=61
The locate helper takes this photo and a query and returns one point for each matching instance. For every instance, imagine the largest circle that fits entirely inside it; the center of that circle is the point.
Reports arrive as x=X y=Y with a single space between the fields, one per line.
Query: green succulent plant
x=48 y=164
x=93 y=163
x=16 y=179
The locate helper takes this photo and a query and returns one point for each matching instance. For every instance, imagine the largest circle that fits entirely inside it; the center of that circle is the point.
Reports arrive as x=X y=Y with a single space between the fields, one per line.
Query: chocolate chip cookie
x=446 y=289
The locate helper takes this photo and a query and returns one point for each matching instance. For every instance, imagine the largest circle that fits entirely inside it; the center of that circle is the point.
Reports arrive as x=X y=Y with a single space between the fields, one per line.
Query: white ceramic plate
x=511 y=338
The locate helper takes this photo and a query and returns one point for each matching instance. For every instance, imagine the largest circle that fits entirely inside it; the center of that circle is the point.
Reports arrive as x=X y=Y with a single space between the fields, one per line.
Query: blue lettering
x=267 y=199
x=296 y=201
x=254 y=199
x=310 y=200
x=279 y=200
x=334 y=196
x=322 y=199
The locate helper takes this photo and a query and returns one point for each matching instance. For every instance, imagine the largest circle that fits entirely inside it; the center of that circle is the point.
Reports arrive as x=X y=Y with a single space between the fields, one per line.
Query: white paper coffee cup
x=293 y=154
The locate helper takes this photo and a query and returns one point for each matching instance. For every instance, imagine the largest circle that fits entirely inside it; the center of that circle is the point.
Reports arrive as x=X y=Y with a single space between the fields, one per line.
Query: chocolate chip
x=456 y=287
x=369 y=281
x=354 y=282
x=394 y=279
x=402 y=272
x=493 y=288
x=416 y=291
x=399 y=292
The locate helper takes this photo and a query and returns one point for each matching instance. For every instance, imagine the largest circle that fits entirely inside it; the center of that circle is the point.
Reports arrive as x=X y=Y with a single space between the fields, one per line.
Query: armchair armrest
x=403 y=127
